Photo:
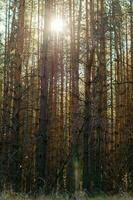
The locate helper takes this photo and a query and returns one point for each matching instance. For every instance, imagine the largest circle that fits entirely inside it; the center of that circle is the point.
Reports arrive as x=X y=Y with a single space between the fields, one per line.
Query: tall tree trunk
x=17 y=67
x=42 y=135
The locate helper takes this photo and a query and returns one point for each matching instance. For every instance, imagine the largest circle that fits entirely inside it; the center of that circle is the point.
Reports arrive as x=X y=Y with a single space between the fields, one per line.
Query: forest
x=66 y=96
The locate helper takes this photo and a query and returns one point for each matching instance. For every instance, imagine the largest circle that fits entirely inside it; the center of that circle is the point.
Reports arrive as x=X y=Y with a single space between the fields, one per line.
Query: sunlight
x=57 y=25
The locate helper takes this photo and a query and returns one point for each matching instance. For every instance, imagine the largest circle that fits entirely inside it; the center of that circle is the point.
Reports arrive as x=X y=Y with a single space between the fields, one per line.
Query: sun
x=57 y=25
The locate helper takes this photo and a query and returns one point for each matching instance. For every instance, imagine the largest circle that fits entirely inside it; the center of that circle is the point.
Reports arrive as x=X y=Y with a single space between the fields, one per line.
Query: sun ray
x=57 y=25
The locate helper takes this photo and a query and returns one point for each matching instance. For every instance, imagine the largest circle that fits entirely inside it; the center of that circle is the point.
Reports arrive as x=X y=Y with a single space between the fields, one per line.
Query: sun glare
x=57 y=25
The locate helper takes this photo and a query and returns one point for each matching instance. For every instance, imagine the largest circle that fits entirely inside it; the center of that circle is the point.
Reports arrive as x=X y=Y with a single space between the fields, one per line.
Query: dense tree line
x=66 y=98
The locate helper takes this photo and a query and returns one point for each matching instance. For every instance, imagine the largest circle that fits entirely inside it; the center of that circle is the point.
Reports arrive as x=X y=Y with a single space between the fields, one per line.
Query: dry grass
x=8 y=195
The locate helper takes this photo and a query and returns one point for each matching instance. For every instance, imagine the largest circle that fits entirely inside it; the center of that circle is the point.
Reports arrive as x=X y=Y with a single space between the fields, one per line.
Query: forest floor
x=7 y=195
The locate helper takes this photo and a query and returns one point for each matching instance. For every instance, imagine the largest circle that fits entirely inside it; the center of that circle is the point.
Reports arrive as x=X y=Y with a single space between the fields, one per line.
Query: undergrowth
x=9 y=195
